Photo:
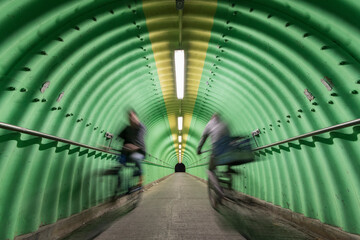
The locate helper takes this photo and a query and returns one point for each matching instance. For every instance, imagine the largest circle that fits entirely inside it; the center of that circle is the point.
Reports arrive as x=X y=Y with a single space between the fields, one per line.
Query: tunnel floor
x=178 y=208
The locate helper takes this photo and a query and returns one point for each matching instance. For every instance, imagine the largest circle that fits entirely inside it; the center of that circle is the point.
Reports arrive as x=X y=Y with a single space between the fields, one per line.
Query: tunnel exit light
x=179 y=138
x=179 y=73
x=180 y=123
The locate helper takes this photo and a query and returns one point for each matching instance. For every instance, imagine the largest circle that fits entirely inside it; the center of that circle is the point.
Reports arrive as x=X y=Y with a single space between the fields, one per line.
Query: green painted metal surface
x=260 y=58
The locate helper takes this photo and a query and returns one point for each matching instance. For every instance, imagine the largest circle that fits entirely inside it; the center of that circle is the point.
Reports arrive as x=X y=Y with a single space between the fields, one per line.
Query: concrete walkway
x=179 y=208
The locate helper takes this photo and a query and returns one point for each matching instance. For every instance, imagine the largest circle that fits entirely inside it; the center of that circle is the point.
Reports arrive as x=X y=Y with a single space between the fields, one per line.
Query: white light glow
x=179 y=72
x=179 y=138
x=180 y=123
x=180 y=146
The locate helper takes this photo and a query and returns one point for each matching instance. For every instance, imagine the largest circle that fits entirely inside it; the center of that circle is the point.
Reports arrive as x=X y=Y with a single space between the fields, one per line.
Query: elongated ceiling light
x=180 y=123
x=179 y=73
x=180 y=146
x=179 y=138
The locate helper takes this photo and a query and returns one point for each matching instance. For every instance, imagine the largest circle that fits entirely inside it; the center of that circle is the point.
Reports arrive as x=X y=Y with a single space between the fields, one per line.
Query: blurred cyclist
x=226 y=150
x=219 y=133
x=134 y=144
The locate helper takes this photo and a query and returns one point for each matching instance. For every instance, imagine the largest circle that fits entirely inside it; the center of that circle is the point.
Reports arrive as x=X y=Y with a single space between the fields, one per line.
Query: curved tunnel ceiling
x=73 y=68
x=250 y=60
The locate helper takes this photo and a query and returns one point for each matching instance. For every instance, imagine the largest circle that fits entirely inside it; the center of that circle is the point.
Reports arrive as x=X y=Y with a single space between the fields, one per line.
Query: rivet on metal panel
x=344 y=63
x=23 y=90
x=235 y=13
x=95 y=128
x=278 y=125
x=11 y=88
x=59 y=108
x=315 y=103
x=288 y=121
x=36 y=100
x=53 y=108
x=299 y=116
x=111 y=11
x=43 y=100
x=269 y=16
x=26 y=69
x=287 y=24
x=45 y=86
x=60 y=39
x=77 y=28
x=228 y=21
x=60 y=97
x=354 y=92
x=67 y=115
x=306 y=35
x=309 y=95
x=325 y=47
x=43 y=53
x=330 y=102
x=358 y=81
x=288 y=116
x=278 y=121
x=313 y=110
x=334 y=94
x=251 y=10
x=94 y=19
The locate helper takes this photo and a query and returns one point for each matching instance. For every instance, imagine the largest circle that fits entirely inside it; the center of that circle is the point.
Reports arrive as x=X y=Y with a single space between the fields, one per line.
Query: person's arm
x=203 y=139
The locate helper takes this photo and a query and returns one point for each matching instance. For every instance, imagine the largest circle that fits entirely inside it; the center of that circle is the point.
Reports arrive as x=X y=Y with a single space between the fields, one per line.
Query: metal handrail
x=317 y=132
x=51 y=137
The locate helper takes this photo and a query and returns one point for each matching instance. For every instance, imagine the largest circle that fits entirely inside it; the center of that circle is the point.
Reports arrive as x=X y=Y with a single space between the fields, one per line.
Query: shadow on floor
x=95 y=227
x=255 y=223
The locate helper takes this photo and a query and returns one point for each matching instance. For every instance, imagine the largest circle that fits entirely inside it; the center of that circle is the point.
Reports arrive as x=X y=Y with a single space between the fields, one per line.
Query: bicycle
x=128 y=181
x=220 y=182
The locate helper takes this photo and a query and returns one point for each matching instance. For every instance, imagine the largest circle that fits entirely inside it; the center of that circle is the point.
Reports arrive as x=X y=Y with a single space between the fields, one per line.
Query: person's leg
x=212 y=165
x=137 y=158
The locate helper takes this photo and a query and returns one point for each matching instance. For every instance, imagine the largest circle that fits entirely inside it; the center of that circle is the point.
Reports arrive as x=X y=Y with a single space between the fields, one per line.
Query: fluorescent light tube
x=179 y=73
x=180 y=146
x=179 y=138
x=180 y=123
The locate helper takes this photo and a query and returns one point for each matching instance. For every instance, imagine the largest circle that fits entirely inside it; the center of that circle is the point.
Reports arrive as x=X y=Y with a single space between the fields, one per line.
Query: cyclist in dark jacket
x=134 y=144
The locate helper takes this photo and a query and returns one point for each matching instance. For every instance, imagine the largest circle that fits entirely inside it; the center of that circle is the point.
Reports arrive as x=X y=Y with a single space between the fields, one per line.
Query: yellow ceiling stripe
x=163 y=25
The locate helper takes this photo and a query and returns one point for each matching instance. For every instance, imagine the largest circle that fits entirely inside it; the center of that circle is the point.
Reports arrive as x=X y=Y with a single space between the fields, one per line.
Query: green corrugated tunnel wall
x=73 y=68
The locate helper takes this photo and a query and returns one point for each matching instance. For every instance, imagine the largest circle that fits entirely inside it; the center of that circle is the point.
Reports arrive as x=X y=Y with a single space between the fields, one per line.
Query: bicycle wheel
x=134 y=196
